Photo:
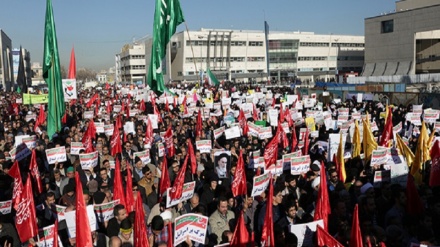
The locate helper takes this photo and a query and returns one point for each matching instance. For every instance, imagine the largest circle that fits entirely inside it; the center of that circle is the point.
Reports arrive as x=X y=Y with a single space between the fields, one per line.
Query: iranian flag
x=211 y=77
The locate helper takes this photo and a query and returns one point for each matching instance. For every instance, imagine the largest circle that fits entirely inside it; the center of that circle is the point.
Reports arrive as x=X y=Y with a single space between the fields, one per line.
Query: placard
x=300 y=165
x=218 y=132
x=5 y=207
x=204 y=146
x=187 y=193
x=265 y=133
x=99 y=127
x=75 y=147
x=89 y=114
x=71 y=223
x=89 y=160
x=55 y=155
x=108 y=129
x=143 y=155
x=379 y=157
x=192 y=226
x=233 y=132
x=104 y=211
x=260 y=184
x=305 y=232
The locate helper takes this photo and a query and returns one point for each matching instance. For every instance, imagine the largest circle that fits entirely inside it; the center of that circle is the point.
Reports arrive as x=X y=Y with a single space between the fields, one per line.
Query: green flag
x=52 y=74
x=168 y=15
x=212 y=79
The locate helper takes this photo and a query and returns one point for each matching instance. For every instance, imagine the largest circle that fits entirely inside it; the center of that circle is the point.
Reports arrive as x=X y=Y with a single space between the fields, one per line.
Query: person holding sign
x=219 y=220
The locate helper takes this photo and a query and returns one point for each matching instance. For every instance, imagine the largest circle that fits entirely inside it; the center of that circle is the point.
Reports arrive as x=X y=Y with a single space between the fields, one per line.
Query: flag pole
x=192 y=49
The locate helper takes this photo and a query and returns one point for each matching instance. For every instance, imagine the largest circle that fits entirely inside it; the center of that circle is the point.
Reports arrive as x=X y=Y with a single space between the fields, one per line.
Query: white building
x=242 y=56
x=130 y=62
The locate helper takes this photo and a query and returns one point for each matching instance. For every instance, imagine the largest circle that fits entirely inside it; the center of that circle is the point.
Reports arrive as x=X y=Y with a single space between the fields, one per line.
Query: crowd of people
x=384 y=217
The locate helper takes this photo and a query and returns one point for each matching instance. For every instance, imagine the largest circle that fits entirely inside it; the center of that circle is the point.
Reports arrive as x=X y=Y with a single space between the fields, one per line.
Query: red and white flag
x=83 y=232
x=239 y=186
x=33 y=167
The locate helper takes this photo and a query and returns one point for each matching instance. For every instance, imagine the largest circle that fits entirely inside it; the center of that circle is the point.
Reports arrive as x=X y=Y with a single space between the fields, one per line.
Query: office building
x=6 y=68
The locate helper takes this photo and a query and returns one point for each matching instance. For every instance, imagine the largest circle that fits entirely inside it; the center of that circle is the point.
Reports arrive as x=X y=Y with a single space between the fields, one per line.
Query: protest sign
x=300 y=165
x=379 y=157
x=5 y=207
x=108 y=129
x=305 y=232
x=260 y=184
x=104 y=211
x=187 y=193
x=265 y=133
x=61 y=211
x=233 y=132
x=99 y=127
x=54 y=155
x=143 y=155
x=71 y=224
x=190 y=225
x=46 y=237
x=89 y=160
x=204 y=146
x=75 y=147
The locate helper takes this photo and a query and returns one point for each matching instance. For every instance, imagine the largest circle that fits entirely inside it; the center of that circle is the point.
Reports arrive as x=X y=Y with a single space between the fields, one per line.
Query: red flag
x=387 y=134
x=414 y=205
x=89 y=136
x=281 y=113
x=118 y=123
x=288 y=117
x=115 y=142
x=169 y=142
x=176 y=190
x=325 y=239
x=17 y=192
x=118 y=190
x=33 y=167
x=142 y=107
x=140 y=231
x=109 y=108
x=294 y=140
x=192 y=156
x=167 y=106
x=271 y=151
x=267 y=234
x=64 y=119
x=92 y=100
x=435 y=167
x=199 y=126
x=129 y=198
x=165 y=178
x=305 y=150
x=127 y=109
x=55 y=234
x=175 y=102
x=239 y=186
x=356 y=236
x=41 y=117
x=107 y=86
x=273 y=102
x=149 y=133
x=83 y=232
x=322 y=208
x=282 y=136
x=72 y=66
x=170 y=235
x=25 y=217
x=255 y=113
x=241 y=234
x=185 y=108
x=243 y=123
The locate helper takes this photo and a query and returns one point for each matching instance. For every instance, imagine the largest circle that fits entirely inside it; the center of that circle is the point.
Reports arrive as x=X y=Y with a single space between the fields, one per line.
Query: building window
x=387 y=26
x=179 y=73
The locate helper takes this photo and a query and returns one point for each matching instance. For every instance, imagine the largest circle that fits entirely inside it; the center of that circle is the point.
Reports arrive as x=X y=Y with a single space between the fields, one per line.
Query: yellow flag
x=340 y=159
x=356 y=140
x=369 y=143
x=421 y=156
x=405 y=150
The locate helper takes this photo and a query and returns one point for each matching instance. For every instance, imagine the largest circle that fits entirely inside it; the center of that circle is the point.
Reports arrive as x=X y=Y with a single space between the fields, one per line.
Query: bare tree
x=85 y=74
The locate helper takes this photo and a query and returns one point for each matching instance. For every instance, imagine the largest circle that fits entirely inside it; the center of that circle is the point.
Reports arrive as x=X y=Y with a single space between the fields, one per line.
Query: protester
x=205 y=156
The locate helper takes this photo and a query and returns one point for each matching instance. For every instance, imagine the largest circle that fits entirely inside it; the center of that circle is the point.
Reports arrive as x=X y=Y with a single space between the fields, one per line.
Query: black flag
x=21 y=77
